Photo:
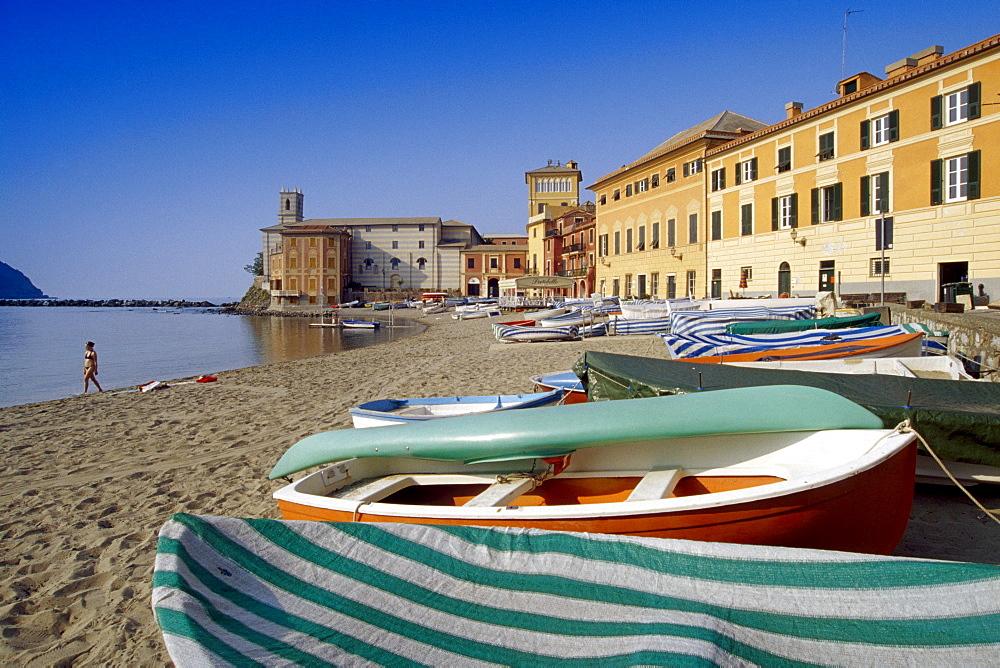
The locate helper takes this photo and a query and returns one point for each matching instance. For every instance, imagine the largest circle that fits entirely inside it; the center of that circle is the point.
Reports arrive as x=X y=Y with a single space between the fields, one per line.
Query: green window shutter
x=838 y=201
x=746 y=219
x=974 y=175
x=937 y=116
x=814 y=196
x=739 y=173
x=753 y=168
x=866 y=131
x=975 y=105
x=894 y=125
x=883 y=204
x=866 y=195
x=774 y=213
x=937 y=181
x=795 y=210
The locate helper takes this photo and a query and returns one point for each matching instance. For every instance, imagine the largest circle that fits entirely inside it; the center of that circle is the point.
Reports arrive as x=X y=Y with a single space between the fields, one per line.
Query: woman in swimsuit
x=90 y=367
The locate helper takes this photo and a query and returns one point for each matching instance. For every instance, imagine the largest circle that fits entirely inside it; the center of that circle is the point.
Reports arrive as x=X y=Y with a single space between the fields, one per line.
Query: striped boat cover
x=699 y=323
x=681 y=347
x=230 y=591
x=516 y=332
x=649 y=326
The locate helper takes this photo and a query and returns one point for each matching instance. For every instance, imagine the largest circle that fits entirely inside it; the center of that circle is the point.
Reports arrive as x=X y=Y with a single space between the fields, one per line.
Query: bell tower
x=553 y=185
x=290 y=206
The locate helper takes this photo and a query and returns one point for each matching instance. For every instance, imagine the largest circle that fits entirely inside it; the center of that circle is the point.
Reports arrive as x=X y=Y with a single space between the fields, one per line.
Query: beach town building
x=503 y=256
x=575 y=230
x=553 y=191
x=373 y=254
x=889 y=190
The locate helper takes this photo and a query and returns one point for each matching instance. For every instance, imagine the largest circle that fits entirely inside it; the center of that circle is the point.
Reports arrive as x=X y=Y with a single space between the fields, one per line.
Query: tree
x=257 y=267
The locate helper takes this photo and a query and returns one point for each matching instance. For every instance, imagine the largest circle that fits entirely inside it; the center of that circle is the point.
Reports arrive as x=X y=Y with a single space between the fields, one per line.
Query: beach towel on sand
x=234 y=591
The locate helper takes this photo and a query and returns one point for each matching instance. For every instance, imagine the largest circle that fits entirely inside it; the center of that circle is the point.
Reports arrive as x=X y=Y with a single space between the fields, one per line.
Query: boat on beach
x=518 y=334
x=941 y=367
x=360 y=324
x=384 y=412
x=838 y=345
x=567 y=381
x=716 y=466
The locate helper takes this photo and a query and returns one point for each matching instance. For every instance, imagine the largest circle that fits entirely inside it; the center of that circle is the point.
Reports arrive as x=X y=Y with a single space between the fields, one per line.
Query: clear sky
x=143 y=144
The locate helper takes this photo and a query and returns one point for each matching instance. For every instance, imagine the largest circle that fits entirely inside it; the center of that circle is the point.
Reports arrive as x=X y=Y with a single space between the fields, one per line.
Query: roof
x=497 y=248
x=553 y=170
x=315 y=223
x=726 y=125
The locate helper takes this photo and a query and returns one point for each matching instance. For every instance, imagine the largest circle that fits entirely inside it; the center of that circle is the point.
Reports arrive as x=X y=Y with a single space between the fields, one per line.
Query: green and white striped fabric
x=242 y=592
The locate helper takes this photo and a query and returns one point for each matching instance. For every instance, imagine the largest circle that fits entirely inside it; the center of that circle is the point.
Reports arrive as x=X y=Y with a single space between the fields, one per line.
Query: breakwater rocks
x=133 y=303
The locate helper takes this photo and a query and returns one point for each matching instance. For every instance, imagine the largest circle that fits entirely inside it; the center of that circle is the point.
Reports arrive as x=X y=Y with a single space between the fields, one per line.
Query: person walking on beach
x=90 y=367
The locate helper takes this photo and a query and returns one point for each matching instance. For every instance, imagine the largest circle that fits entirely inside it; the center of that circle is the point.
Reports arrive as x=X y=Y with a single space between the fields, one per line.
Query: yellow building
x=651 y=214
x=892 y=180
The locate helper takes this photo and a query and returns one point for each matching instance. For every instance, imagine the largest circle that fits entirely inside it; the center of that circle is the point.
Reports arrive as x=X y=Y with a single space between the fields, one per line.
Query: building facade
x=485 y=265
x=888 y=189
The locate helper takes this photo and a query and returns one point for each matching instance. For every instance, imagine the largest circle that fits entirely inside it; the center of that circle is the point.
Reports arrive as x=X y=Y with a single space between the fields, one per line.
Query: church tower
x=553 y=185
x=290 y=206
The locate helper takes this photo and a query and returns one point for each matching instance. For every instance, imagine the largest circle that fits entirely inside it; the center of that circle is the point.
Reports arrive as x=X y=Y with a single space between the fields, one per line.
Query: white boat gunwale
x=882 y=445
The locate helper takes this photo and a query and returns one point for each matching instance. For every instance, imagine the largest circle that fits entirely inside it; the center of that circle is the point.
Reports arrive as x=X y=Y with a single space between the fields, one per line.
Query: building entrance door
x=826 y=279
x=951 y=272
x=784 y=280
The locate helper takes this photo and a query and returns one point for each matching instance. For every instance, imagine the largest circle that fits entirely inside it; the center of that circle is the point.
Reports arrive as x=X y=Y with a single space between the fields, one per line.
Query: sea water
x=41 y=348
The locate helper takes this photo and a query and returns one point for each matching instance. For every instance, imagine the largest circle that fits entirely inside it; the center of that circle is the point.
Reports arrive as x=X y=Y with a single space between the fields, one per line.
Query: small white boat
x=515 y=334
x=435 y=308
x=383 y=412
x=940 y=367
x=360 y=324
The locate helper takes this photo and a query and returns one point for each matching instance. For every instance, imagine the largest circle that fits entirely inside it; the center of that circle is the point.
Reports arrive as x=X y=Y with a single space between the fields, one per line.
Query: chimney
x=929 y=54
x=793 y=109
x=900 y=66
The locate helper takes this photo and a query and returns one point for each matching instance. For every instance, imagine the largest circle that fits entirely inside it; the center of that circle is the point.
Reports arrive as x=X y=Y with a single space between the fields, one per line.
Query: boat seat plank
x=656 y=484
x=378 y=489
x=501 y=493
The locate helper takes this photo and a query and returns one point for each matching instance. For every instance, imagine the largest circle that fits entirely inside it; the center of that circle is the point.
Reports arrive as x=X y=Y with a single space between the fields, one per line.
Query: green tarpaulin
x=782 y=326
x=960 y=419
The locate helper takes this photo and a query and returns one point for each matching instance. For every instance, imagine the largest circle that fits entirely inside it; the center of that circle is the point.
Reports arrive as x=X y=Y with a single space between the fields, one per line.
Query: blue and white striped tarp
x=240 y=592
x=519 y=333
x=697 y=323
x=728 y=344
x=622 y=326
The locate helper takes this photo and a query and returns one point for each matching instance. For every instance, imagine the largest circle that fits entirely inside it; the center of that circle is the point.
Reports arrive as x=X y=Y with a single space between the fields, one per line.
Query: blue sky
x=143 y=144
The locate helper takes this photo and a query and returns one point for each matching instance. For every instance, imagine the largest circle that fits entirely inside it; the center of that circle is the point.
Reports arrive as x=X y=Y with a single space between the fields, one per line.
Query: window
x=331 y=263
x=395 y=245
x=616 y=195
x=693 y=228
x=615 y=287
x=671 y=286
x=654 y=241
x=691 y=279
x=368 y=245
x=955 y=179
x=883 y=233
x=671 y=175
x=628 y=285
x=628 y=240
x=541 y=207
x=654 y=284
x=784 y=212
x=747 y=273
x=592 y=236
x=827 y=203
x=420 y=263
x=746 y=220
x=368 y=228
x=312 y=241
x=395 y=228
x=293 y=262
x=875 y=194
x=784 y=159
x=331 y=284
x=312 y=263
x=878 y=266
x=618 y=243
x=746 y=171
x=956 y=107
x=671 y=233
x=642 y=186
x=654 y=181
x=826 y=150
x=420 y=244
x=494 y=263
x=421 y=227
x=628 y=190
x=293 y=284
x=881 y=130
x=394 y=262
x=642 y=238
x=716 y=284
x=693 y=167
x=470 y=263
x=602 y=245
x=716 y=225
x=517 y=263
x=718 y=179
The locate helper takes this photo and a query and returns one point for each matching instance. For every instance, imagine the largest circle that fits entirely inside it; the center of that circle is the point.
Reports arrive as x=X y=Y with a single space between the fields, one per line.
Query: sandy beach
x=88 y=481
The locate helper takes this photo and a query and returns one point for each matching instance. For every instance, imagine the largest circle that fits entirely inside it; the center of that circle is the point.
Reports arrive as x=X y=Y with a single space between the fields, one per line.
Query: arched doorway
x=784 y=280
x=493 y=287
x=472 y=287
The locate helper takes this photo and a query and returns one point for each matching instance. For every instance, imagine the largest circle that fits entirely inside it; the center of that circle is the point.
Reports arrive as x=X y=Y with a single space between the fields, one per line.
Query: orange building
x=484 y=266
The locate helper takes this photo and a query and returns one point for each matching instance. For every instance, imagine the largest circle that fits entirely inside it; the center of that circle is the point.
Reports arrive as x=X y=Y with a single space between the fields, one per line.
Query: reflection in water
x=277 y=339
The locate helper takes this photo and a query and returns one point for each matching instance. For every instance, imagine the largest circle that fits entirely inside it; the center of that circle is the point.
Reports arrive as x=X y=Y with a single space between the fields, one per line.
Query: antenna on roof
x=843 y=48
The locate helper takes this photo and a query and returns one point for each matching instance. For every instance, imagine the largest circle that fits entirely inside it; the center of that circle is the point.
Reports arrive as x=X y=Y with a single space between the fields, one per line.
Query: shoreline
x=89 y=480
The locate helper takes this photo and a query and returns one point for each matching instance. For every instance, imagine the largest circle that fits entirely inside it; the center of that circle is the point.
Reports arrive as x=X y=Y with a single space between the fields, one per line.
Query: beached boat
x=566 y=381
x=360 y=324
x=516 y=334
x=941 y=367
x=383 y=412
x=718 y=466
x=435 y=308
x=268 y=592
x=961 y=421
x=842 y=344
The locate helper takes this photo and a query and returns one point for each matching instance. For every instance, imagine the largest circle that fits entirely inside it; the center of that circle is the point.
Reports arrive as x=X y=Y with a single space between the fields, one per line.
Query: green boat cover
x=960 y=419
x=260 y=592
x=559 y=430
x=782 y=326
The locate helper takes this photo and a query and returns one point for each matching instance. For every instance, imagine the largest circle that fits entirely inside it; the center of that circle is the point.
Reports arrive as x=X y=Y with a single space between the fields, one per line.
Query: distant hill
x=15 y=285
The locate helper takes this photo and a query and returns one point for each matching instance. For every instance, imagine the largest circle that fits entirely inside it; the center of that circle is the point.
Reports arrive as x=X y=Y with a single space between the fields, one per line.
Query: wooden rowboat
x=383 y=412
x=566 y=381
x=360 y=324
x=719 y=466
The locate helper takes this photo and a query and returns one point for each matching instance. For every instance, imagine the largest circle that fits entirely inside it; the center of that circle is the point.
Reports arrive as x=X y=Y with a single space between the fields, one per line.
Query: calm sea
x=41 y=348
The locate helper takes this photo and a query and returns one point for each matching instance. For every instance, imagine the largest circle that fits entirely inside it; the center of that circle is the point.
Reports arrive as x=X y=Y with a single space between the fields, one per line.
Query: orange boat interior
x=572 y=491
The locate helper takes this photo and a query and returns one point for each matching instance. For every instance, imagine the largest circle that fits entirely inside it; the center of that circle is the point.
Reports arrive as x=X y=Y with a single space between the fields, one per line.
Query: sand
x=88 y=481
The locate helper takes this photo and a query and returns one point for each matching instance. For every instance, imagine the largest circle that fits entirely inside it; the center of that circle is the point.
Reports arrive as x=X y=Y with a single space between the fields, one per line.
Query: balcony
x=572 y=248
x=552 y=233
x=284 y=293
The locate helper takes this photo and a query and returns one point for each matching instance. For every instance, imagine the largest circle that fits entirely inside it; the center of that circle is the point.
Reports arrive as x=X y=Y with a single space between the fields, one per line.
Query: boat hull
x=900 y=345
x=387 y=412
x=866 y=512
x=573 y=392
